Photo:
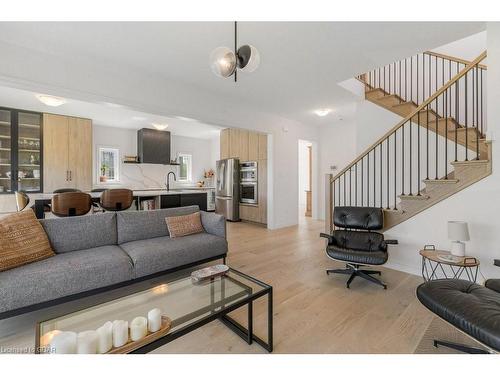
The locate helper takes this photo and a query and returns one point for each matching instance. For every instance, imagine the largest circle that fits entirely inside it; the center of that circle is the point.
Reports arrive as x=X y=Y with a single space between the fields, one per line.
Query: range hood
x=153 y=146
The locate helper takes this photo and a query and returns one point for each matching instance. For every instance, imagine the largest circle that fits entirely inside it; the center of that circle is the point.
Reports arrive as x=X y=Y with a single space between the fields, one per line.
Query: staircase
x=437 y=149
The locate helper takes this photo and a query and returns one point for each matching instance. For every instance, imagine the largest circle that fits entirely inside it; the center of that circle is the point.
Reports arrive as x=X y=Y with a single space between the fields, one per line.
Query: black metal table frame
x=222 y=315
x=457 y=270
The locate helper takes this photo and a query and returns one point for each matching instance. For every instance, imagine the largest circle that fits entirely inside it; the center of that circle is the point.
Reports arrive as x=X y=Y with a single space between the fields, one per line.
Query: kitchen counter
x=162 y=198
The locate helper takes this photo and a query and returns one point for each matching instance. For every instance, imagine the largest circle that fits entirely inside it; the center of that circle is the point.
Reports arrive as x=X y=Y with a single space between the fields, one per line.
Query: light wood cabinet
x=253 y=146
x=234 y=143
x=262 y=146
x=67 y=153
x=243 y=149
x=224 y=143
x=248 y=146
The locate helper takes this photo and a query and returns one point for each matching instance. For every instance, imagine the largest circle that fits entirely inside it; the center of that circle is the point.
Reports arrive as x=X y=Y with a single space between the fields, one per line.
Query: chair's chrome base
x=460 y=347
x=354 y=270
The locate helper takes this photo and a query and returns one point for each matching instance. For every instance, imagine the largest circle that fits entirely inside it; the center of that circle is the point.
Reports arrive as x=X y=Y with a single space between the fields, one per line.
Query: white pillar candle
x=64 y=343
x=138 y=328
x=86 y=342
x=46 y=339
x=154 y=320
x=120 y=333
x=105 y=342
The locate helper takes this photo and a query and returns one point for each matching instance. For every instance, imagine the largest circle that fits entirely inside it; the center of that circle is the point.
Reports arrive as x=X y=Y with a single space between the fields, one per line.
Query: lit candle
x=64 y=343
x=154 y=320
x=86 y=342
x=120 y=333
x=46 y=339
x=138 y=328
x=105 y=342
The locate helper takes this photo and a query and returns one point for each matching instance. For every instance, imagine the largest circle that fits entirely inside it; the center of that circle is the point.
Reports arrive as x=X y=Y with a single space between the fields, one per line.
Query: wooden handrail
x=429 y=100
x=453 y=58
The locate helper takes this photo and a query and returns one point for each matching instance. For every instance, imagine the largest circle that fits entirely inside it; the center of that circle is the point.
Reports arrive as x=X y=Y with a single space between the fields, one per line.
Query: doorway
x=305 y=166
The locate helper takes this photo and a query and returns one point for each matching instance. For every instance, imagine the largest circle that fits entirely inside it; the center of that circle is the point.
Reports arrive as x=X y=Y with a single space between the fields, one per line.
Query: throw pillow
x=184 y=225
x=22 y=240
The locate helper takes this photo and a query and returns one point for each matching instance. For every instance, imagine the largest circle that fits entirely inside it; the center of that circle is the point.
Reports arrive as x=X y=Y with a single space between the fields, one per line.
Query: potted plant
x=102 y=177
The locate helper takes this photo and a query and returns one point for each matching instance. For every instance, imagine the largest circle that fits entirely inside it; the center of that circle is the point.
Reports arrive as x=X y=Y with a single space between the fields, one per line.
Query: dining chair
x=22 y=200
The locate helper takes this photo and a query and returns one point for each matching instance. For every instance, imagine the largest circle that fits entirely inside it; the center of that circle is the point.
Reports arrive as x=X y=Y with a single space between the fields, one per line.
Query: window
x=186 y=165
x=108 y=165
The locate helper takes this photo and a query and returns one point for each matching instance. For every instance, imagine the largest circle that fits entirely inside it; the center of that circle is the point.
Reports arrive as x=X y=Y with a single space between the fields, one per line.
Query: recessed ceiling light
x=322 y=112
x=160 y=126
x=185 y=118
x=50 y=100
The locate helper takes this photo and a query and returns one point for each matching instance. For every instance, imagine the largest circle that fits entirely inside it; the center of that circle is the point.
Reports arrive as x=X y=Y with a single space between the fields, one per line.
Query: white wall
x=467 y=48
x=141 y=176
x=337 y=148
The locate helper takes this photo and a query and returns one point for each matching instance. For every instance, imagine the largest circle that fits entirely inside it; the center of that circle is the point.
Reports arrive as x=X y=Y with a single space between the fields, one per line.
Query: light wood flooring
x=313 y=312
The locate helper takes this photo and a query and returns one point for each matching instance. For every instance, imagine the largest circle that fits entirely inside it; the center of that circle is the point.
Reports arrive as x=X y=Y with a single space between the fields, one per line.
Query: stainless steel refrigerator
x=227 y=189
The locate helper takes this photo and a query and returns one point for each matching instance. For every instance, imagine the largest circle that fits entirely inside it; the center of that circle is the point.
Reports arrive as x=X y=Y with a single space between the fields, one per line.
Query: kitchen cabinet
x=224 y=143
x=185 y=199
x=253 y=146
x=20 y=151
x=67 y=157
x=234 y=143
x=243 y=148
x=262 y=146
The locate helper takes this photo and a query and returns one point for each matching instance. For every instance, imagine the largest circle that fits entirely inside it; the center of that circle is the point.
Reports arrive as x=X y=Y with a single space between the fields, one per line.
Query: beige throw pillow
x=184 y=225
x=22 y=240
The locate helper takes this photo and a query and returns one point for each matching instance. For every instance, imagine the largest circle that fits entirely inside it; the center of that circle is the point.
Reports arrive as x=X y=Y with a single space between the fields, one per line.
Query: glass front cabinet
x=20 y=151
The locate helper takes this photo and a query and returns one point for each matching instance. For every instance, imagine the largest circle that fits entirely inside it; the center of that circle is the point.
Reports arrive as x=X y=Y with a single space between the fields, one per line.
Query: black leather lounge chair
x=355 y=244
x=472 y=308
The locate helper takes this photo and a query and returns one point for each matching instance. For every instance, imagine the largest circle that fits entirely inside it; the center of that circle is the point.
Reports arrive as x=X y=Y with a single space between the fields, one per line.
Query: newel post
x=328 y=202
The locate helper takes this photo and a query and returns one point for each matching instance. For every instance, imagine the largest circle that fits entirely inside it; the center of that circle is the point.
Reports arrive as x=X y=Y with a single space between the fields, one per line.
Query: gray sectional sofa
x=105 y=250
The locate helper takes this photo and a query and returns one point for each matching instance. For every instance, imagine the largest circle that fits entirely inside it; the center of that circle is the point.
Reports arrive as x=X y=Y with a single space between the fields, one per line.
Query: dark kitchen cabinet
x=182 y=200
x=153 y=146
x=20 y=151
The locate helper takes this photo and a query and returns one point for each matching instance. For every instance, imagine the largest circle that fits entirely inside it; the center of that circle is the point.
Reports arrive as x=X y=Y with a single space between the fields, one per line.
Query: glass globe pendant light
x=225 y=62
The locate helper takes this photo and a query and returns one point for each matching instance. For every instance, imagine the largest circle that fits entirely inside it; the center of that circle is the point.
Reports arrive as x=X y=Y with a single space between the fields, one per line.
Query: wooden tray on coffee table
x=130 y=346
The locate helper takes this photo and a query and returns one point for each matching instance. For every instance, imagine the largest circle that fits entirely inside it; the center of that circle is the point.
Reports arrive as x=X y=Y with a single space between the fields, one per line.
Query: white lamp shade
x=458 y=231
x=223 y=62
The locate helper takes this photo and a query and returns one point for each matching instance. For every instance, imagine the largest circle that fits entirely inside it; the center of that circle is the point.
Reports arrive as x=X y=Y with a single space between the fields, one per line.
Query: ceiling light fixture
x=52 y=101
x=322 y=112
x=160 y=126
x=226 y=62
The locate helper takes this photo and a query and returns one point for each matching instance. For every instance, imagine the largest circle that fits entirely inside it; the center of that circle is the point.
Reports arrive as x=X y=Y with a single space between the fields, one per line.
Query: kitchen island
x=160 y=198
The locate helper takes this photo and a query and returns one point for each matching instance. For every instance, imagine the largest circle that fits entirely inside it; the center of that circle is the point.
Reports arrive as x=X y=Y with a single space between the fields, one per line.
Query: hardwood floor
x=313 y=312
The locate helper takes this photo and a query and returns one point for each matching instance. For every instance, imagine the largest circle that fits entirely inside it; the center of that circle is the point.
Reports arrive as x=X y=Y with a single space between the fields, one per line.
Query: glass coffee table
x=188 y=306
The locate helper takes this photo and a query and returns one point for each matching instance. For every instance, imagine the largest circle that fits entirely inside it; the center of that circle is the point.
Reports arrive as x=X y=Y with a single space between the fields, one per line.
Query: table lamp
x=458 y=231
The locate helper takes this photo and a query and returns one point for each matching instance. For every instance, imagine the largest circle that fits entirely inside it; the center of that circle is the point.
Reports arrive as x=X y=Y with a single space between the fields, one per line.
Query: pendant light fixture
x=226 y=62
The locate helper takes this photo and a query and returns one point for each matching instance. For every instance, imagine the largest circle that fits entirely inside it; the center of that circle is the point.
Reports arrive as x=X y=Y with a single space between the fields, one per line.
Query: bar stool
x=22 y=200
x=66 y=190
x=71 y=204
x=117 y=199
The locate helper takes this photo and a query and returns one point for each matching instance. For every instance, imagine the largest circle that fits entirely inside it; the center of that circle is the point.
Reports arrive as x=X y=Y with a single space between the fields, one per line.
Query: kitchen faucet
x=168 y=179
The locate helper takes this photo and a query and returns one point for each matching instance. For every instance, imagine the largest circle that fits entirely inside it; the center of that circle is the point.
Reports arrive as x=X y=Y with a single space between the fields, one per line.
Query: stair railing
x=447 y=126
x=416 y=78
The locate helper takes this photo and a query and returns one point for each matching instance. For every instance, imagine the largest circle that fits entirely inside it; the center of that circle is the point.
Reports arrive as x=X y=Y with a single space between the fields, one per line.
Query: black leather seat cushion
x=493 y=284
x=470 y=307
x=358 y=247
x=366 y=218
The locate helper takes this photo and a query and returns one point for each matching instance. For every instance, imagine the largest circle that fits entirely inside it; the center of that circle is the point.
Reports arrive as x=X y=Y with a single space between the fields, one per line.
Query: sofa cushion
x=140 y=225
x=185 y=225
x=81 y=232
x=164 y=253
x=63 y=275
x=22 y=240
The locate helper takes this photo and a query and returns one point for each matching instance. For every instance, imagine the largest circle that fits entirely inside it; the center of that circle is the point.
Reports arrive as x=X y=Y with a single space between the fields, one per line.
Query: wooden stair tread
x=405 y=103
x=414 y=197
x=441 y=181
x=471 y=162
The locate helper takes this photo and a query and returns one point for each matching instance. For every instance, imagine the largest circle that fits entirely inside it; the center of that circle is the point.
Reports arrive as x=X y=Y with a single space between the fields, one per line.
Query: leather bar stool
x=71 y=204
x=117 y=199
x=66 y=190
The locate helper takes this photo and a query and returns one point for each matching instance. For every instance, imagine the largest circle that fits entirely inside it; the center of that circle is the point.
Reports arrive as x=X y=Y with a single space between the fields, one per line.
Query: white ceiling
x=301 y=62
x=108 y=114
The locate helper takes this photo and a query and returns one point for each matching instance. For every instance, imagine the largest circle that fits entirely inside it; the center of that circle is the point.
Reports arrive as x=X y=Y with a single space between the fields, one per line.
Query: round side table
x=435 y=267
